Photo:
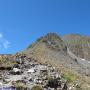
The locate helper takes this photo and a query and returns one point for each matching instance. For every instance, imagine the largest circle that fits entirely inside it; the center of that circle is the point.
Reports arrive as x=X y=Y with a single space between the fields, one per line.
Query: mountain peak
x=52 y=35
x=50 y=41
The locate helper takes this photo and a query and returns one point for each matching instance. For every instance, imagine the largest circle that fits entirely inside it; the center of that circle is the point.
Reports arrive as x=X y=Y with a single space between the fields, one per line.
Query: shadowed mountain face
x=79 y=45
x=67 y=52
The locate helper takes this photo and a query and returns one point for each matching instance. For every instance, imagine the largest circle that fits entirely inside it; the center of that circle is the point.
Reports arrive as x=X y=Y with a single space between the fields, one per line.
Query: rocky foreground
x=28 y=74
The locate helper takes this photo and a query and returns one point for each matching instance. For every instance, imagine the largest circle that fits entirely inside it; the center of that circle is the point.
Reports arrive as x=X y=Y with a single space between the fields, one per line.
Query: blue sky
x=23 y=21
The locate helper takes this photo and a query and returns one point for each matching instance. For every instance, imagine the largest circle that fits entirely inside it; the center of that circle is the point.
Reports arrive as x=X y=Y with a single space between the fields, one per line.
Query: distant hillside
x=79 y=45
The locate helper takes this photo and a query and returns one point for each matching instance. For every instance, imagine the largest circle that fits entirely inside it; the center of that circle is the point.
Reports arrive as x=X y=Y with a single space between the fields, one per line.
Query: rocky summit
x=50 y=63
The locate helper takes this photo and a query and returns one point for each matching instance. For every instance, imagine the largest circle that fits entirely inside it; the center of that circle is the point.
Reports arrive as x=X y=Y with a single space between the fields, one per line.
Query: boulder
x=32 y=70
x=43 y=69
x=16 y=71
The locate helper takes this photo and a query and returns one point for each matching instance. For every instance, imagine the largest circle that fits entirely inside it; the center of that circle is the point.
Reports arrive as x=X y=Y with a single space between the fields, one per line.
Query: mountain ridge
x=53 y=48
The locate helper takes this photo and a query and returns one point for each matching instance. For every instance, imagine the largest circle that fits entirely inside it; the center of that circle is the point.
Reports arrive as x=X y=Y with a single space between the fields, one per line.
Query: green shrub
x=20 y=86
x=69 y=77
x=53 y=83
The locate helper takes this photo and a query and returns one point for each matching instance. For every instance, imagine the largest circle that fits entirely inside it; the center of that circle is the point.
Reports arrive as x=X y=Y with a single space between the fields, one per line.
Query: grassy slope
x=45 y=55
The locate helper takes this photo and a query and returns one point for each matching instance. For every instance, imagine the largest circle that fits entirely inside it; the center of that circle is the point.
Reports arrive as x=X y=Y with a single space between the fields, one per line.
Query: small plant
x=69 y=77
x=37 y=88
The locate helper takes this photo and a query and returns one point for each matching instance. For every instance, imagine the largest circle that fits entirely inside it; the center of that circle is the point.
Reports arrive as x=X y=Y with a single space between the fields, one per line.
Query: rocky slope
x=69 y=54
x=63 y=52
x=28 y=74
